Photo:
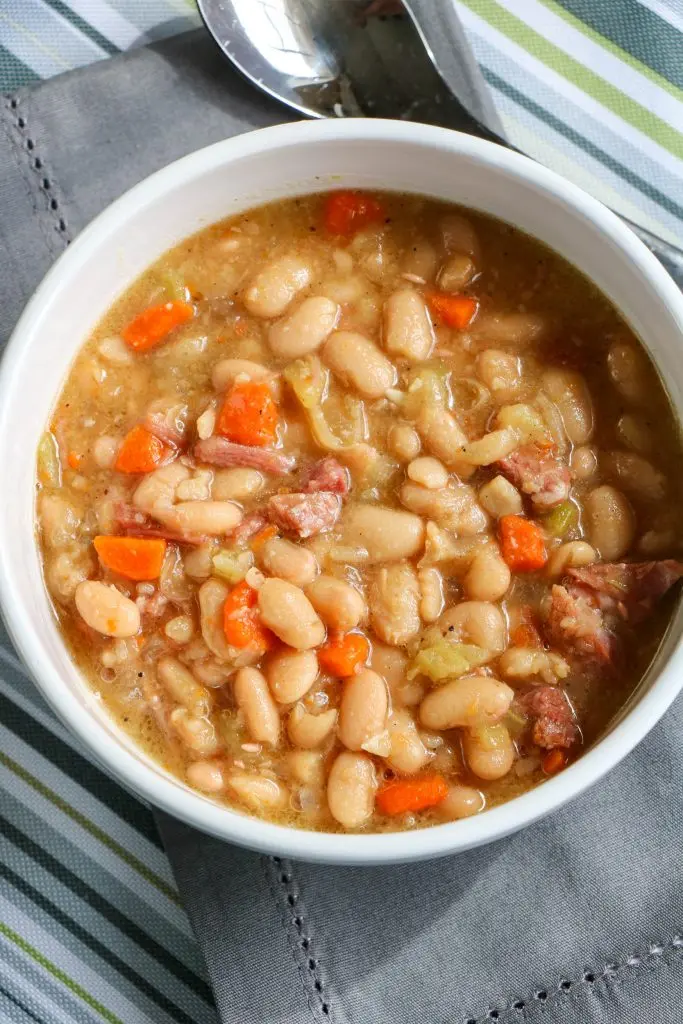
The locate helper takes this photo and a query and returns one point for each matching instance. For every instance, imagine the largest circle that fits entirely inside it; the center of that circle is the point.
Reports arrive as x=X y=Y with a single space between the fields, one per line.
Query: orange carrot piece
x=149 y=328
x=343 y=655
x=141 y=452
x=266 y=534
x=74 y=460
x=453 y=310
x=404 y=795
x=554 y=761
x=136 y=558
x=249 y=414
x=346 y=213
x=241 y=623
x=522 y=544
x=525 y=633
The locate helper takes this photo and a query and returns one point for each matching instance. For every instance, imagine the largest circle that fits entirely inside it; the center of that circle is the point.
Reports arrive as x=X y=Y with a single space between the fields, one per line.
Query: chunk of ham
x=137 y=524
x=305 y=514
x=249 y=527
x=575 y=624
x=326 y=475
x=218 y=451
x=539 y=474
x=554 y=723
x=634 y=586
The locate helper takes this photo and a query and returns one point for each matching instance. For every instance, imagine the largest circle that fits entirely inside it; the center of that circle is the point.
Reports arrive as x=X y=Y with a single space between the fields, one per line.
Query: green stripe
x=562 y=128
x=636 y=31
x=83 y=26
x=112 y=914
x=80 y=770
x=93 y=944
x=588 y=81
x=97 y=833
x=13 y=72
x=59 y=974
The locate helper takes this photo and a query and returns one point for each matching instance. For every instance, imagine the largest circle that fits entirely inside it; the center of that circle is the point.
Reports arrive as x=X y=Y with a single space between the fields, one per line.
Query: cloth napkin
x=577 y=919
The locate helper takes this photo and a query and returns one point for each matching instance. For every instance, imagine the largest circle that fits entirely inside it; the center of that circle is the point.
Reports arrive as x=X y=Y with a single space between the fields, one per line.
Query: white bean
x=238 y=484
x=276 y=285
x=428 y=472
x=286 y=610
x=291 y=674
x=500 y=371
x=461 y=802
x=476 y=622
x=289 y=561
x=500 y=498
x=472 y=701
x=408 y=754
x=257 y=791
x=156 y=491
x=516 y=329
x=309 y=731
x=197 y=734
x=198 y=563
x=338 y=604
x=430 y=582
x=628 y=370
x=58 y=520
x=208 y=776
x=202 y=517
x=568 y=391
x=420 y=260
x=456 y=273
x=387 y=534
x=306 y=767
x=227 y=370
x=351 y=787
x=610 y=522
x=408 y=328
x=489 y=751
x=488 y=577
x=106 y=610
x=359 y=363
x=105 y=450
x=305 y=329
x=254 y=700
x=403 y=441
x=454 y=507
x=395 y=603
x=572 y=555
x=634 y=432
x=458 y=235
x=635 y=474
x=182 y=687
x=583 y=462
x=527 y=662
x=491 y=447
x=363 y=709
x=179 y=629
x=443 y=437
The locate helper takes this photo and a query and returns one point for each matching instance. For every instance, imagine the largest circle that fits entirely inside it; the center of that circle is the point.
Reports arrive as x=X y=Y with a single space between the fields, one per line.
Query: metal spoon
x=327 y=58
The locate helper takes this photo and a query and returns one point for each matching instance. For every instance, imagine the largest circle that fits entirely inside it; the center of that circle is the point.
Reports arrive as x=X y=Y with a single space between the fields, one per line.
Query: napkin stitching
x=288 y=901
x=40 y=169
x=572 y=990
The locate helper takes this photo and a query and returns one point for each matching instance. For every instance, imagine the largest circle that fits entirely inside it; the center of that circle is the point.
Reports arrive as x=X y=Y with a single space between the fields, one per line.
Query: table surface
x=91 y=925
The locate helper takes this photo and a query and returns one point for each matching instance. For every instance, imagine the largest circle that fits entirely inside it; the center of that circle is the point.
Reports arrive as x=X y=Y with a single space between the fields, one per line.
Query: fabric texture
x=577 y=919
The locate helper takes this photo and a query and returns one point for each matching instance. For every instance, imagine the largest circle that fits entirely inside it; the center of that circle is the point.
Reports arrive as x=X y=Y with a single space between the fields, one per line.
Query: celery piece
x=232 y=566
x=174 y=285
x=308 y=380
x=49 y=467
x=428 y=386
x=562 y=520
x=444 y=659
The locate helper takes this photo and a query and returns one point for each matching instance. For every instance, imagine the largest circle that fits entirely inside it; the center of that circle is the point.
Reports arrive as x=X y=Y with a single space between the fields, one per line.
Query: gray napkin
x=577 y=919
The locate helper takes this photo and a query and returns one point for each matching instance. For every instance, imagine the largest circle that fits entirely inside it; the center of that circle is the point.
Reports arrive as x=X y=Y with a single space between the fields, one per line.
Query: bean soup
x=359 y=512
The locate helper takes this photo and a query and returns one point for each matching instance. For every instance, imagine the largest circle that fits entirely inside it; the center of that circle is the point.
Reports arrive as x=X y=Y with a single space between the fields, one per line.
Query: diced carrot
x=404 y=795
x=525 y=633
x=74 y=460
x=266 y=534
x=149 y=328
x=522 y=544
x=453 y=310
x=343 y=655
x=141 y=452
x=136 y=558
x=554 y=761
x=249 y=414
x=348 y=212
x=241 y=623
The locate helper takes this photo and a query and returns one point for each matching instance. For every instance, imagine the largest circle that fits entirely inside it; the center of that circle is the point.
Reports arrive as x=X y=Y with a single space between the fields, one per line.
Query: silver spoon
x=332 y=58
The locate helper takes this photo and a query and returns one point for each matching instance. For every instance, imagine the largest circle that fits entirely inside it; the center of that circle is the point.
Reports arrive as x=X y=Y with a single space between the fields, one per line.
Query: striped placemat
x=91 y=927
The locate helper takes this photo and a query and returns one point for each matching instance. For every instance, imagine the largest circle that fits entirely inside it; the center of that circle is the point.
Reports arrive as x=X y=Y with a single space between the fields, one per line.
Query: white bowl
x=212 y=184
